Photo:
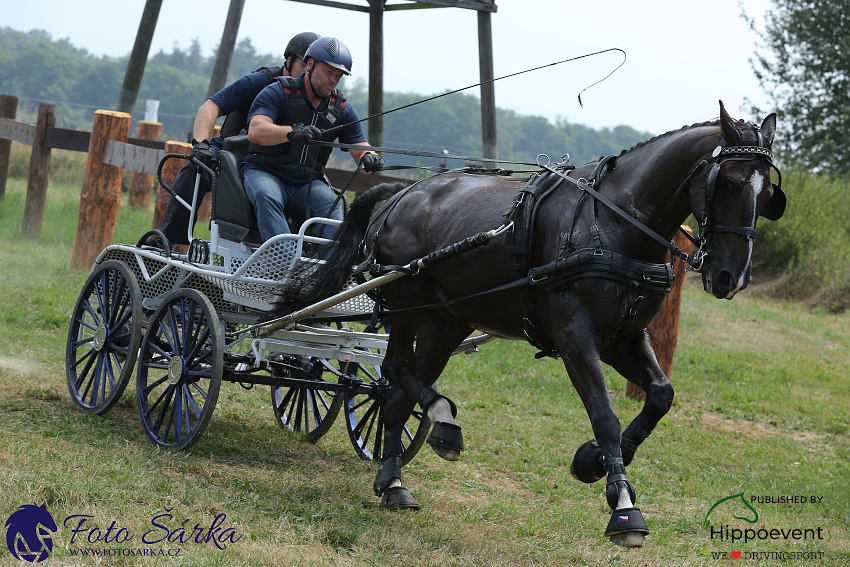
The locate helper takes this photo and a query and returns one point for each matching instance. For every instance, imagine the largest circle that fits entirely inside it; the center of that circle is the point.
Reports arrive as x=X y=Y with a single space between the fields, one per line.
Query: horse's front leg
x=581 y=359
x=635 y=361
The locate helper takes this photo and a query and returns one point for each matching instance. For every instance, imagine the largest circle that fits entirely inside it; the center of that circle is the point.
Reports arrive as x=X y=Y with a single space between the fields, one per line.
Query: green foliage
x=34 y=66
x=810 y=245
x=805 y=67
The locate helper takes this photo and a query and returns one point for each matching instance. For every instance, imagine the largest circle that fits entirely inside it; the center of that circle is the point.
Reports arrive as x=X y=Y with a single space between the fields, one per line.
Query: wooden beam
x=376 y=72
x=480 y=6
x=39 y=168
x=218 y=80
x=8 y=110
x=138 y=57
x=330 y=4
x=17 y=131
x=64 y=139
x=489 y=138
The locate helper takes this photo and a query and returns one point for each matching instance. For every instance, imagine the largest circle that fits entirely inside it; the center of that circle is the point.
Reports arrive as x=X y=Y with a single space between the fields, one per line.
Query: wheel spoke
x=91 y=353
x=190 y=401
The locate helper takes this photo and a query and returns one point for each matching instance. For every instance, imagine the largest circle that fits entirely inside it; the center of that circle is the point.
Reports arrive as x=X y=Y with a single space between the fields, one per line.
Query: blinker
x=775 y=206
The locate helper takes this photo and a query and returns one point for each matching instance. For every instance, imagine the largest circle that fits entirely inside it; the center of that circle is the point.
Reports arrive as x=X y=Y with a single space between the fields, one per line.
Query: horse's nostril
x=724 y=284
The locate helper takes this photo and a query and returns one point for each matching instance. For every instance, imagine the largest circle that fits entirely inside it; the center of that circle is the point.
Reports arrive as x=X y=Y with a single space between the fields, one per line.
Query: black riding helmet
x=298 y=45
x=331 y=51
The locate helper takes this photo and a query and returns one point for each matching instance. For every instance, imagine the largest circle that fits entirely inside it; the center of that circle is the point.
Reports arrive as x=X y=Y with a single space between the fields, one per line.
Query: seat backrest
x=233 y=213
x=237 y=145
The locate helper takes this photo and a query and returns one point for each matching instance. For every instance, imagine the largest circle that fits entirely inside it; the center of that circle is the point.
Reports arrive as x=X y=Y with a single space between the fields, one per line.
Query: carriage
x=580 y=272
x=188 y=322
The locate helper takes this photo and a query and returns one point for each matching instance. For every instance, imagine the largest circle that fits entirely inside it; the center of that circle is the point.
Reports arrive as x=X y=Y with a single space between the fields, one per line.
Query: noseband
x=773 y=209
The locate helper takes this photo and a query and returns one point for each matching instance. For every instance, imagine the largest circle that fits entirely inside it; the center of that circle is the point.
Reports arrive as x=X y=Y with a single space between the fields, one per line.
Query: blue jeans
x=272 y=198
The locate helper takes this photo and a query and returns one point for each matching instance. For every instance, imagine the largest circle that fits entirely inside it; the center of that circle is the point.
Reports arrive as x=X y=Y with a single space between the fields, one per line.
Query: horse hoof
x=627 y=528
x=587 y=463
x=447 y=440
x=399 y=498
x=628 y=539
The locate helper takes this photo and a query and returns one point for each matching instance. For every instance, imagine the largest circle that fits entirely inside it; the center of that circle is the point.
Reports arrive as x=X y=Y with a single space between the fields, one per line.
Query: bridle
x=772 y=210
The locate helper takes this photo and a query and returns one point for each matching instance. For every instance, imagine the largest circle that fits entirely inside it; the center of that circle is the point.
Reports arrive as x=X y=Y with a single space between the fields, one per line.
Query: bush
x=808 y=249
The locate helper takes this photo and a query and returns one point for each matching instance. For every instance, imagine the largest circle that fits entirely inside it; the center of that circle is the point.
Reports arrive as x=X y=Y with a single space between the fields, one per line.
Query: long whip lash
x=499 y=79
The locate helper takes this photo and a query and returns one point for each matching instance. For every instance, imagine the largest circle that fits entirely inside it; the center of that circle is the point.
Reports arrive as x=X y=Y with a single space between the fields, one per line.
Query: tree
x=804 y=66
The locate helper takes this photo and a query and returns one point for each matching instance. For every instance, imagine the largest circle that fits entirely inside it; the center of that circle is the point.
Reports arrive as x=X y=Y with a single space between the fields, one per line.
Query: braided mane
x=744 y=126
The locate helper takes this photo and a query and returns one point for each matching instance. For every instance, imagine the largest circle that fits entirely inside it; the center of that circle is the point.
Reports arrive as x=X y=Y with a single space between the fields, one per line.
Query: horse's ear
x=768 y=130
x=733 y=135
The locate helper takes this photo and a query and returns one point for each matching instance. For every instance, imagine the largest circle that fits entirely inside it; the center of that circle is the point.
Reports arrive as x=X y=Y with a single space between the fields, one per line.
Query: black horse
x=603 y=282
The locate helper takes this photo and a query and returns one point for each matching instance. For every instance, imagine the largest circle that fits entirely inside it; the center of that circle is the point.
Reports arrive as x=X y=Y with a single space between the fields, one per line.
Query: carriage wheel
x=180 y=368
x=103 y=340
x=311 y=411
x=364 y=417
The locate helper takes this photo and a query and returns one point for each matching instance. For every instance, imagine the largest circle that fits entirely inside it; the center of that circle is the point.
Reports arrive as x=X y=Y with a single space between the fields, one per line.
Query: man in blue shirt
x=233 y=101
x=283 y=172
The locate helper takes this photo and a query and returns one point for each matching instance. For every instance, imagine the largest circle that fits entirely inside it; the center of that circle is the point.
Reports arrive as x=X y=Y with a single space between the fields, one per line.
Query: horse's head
x=735 y=190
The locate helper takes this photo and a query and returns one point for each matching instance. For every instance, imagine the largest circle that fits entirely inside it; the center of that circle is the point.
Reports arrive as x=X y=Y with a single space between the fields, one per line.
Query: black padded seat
x=233 y=212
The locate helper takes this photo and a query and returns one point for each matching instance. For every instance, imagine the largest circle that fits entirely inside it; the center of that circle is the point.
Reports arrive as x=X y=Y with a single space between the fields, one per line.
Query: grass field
x=762 y=408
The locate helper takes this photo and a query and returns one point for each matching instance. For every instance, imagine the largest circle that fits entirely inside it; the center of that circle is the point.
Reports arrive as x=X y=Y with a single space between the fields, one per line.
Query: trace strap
x=676 y=251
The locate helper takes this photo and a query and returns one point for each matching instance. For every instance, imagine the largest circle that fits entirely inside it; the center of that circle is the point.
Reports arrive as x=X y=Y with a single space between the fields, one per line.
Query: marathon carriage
x=190 y=321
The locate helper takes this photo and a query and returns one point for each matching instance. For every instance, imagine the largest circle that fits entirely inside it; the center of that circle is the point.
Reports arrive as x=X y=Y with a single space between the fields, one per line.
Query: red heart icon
x=736 y=554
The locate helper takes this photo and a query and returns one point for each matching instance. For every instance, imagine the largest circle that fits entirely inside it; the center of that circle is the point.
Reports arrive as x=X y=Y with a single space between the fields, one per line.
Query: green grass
x=762 y=407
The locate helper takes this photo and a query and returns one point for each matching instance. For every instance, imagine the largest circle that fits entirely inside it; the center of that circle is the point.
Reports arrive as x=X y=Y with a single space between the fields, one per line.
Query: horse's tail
x=330 y=277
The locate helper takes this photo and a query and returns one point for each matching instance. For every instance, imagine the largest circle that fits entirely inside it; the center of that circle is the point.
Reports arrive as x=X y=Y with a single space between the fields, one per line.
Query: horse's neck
x=659 y=169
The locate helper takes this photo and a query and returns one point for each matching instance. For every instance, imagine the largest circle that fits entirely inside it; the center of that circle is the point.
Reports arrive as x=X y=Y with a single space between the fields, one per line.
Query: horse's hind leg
x=414 y=373
x=397 y=408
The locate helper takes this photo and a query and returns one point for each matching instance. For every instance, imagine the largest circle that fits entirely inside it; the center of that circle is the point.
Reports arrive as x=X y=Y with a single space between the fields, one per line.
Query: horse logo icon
x=28 y=532
x=740 y=497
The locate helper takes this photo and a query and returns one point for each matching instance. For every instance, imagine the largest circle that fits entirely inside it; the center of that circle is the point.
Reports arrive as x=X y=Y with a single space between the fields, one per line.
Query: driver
x=282 y=172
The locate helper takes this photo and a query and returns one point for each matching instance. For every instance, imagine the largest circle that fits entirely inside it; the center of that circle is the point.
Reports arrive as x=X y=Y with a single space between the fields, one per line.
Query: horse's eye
x=729 y=183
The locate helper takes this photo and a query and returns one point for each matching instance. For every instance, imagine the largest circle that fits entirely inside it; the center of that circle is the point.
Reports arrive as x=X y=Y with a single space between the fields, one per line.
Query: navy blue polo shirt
x=271 y=102
x=238 y=94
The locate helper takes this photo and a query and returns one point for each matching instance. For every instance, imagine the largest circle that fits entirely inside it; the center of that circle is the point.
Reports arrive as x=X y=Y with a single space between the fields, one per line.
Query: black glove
x=371 y=163
x=301 y=133
x=201 y=151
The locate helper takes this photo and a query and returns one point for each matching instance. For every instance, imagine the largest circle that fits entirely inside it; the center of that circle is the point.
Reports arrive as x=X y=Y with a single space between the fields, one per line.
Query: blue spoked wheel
x=308 y=410
x=180 y=368
x=364 y=417
x=103 y=339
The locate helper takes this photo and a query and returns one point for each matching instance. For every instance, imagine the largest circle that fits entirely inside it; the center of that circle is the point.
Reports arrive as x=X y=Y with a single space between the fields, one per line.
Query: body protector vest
x=237 y=120
x=290 y=156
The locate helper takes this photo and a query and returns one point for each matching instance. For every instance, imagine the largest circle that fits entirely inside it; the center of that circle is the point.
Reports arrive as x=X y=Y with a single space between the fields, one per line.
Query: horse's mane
x=715 y=122
x=743 y=125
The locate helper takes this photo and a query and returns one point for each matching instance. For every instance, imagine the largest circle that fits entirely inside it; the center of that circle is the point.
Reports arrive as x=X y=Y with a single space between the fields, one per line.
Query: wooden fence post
x=141 y=185
x=39 y=173
x=8 y=109
x=100 y=197
x=664 y=329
